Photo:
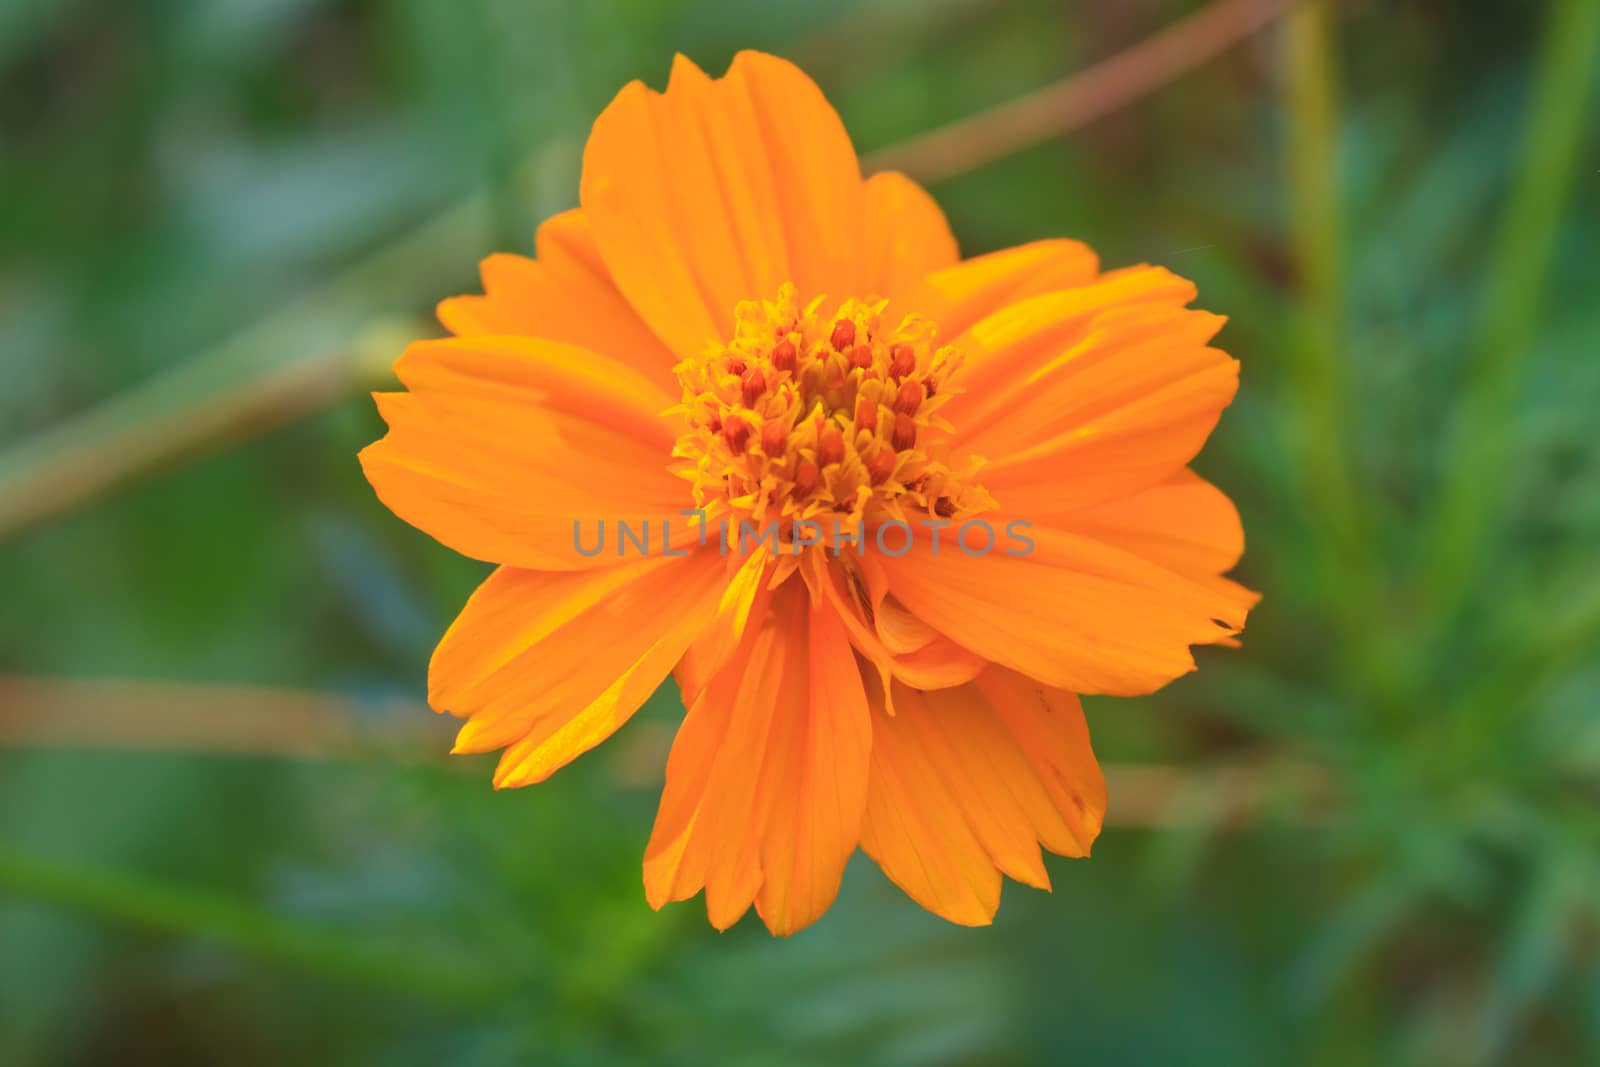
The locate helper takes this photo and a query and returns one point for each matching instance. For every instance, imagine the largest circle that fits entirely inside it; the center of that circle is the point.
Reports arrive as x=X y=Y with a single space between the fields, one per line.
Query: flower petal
x=873 y=624
x=976 y=778
x=915 y=829
x=1186 y=524
x=746 y=595
x=505 y=446
x=905 y=237
x=767 y=777
x=565 y=295
x=959 y=296
x=1068 y=809
x=1073 y=612
x=1092 y=394
x=551 y=663
x=822 y=779
x=973 y=757
x=719 y=191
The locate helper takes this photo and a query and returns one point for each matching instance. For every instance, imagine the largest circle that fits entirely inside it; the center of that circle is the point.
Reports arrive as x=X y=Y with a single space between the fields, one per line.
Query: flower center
x=823 y=417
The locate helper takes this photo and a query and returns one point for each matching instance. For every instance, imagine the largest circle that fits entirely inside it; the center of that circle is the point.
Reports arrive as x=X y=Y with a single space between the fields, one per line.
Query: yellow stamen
x=823 y=417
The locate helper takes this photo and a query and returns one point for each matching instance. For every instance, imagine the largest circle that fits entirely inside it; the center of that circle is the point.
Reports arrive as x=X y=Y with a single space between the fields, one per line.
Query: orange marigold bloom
x=736 y=330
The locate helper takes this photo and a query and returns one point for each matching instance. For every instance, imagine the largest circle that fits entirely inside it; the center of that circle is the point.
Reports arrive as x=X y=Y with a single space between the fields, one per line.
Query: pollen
x=823 y=412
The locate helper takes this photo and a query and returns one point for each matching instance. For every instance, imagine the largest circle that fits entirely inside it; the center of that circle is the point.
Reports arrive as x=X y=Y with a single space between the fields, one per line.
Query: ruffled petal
x=719 y=191
x=1092 y=394
x=967 y=783
x=1186 y=525
x=566 y=295
x=550 y=664
x=1086 y=403
x=766 y=782
x=1067 y=610
x=505 y=448
x=1064 y=798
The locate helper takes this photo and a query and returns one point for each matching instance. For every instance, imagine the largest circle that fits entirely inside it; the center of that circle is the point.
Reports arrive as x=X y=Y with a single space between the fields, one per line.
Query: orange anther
x=753 y=386
x=879 y=467
x=805 y=477
x=861 y=356
x=909 y=398
x=866 y=415
x=773 y=436
x=905 y=433
x=830 y=446
x=737 y=433
x=784 y=357
x=904 y=361
x=844 y=335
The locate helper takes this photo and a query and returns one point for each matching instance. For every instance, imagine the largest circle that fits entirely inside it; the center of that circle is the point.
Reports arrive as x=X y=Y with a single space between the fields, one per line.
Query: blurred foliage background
x=1372 y=835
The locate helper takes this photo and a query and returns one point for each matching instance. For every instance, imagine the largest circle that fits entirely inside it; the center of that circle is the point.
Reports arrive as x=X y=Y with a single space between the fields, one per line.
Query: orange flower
x=962 y=485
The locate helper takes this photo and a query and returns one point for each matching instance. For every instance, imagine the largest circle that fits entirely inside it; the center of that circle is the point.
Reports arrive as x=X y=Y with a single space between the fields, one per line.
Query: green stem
x=1479 y=448
x=1318 y=385
x=176 y=910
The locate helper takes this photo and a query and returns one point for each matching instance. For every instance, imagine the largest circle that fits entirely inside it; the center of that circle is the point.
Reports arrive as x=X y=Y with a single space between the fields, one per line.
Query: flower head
x=748 y=419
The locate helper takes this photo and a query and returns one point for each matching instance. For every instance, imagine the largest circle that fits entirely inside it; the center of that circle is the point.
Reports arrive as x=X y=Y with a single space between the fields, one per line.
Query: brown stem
x=1078 y=98
x=219 y=720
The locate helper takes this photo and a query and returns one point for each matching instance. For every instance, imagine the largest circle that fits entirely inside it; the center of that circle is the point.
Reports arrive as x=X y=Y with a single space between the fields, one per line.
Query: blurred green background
x=1372 y=835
